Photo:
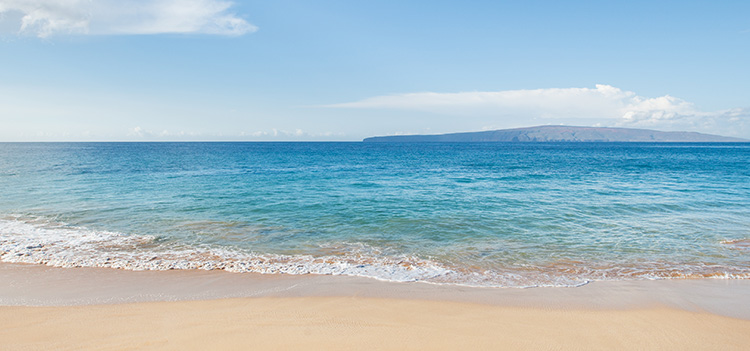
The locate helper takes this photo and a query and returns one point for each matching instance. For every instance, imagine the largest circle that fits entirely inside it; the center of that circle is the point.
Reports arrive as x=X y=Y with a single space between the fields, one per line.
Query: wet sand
x=104 y=309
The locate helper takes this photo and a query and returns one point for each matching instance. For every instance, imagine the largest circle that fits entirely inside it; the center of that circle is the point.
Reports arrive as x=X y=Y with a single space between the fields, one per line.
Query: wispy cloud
x=44 y=18
x=602 y=103
x=139 y=133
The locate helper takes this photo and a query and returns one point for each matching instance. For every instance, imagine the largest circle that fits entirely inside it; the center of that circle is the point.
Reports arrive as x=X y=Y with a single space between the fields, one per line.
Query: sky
x=284 y=70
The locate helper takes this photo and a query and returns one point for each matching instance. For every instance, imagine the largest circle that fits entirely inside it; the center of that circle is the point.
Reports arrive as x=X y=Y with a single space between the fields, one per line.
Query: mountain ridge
x=559 y=133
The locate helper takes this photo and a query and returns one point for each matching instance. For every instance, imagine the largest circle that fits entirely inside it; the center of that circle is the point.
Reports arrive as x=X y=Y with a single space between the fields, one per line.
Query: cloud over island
x=605 y=103
x=44 y=18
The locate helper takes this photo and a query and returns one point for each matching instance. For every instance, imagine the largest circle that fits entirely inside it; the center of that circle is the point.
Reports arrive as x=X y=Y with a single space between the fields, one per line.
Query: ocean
x=476 y=214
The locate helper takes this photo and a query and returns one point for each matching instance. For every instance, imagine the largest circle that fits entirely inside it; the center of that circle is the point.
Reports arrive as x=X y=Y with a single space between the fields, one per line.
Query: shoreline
x=45 y=307
x=39 y=285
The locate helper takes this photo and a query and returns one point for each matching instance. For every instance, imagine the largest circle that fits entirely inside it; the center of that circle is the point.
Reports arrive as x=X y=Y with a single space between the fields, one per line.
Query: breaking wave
x=38 y=241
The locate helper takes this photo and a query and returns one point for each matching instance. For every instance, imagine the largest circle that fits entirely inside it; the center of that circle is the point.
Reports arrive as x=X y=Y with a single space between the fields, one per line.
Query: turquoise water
x=484 y=214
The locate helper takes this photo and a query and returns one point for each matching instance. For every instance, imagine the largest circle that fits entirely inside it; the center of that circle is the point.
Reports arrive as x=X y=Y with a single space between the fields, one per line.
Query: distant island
x=561 y=134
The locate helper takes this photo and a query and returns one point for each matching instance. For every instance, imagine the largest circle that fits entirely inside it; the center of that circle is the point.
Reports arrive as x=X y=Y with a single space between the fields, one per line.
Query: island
x=557 y=133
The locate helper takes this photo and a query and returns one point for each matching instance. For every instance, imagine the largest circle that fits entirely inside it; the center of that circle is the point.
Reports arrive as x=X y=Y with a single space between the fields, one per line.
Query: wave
x=60 y=245
x=738 y=244
x=40 y=241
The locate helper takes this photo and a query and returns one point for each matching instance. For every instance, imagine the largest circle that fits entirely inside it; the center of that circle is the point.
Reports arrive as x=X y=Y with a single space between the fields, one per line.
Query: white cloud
x=603 y=104
x=602 y=101
x=148 y=134
x=44 y=18
x=139 y=133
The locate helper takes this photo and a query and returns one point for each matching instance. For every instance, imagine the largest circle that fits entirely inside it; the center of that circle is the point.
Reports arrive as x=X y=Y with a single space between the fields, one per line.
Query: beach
x=124 y=246
x=104 y=309
x=374 y=175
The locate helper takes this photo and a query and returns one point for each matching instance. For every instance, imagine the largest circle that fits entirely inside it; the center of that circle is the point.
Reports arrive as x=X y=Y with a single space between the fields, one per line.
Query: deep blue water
x=493 y=214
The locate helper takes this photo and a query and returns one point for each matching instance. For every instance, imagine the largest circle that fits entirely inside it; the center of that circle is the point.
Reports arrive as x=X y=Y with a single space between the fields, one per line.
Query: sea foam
x=39 y=241
x=59 y=245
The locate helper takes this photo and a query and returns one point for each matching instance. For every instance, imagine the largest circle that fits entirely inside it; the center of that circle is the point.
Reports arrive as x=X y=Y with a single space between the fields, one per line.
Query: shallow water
x=486 y=214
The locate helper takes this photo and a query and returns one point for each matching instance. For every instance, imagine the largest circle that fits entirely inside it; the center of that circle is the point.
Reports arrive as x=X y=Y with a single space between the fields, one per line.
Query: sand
x=340 y=323
x=101 y=309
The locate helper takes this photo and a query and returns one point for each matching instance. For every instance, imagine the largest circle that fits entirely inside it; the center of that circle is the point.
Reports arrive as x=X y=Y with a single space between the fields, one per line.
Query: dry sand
x=100 y=309
x=328 y=323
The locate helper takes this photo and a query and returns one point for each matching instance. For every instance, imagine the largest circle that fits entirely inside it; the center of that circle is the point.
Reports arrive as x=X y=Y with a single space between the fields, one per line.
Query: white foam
x=40 y=241
x=59 y=245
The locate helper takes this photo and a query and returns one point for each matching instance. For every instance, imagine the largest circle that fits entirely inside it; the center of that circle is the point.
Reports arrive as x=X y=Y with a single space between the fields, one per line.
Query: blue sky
x=345 y=70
